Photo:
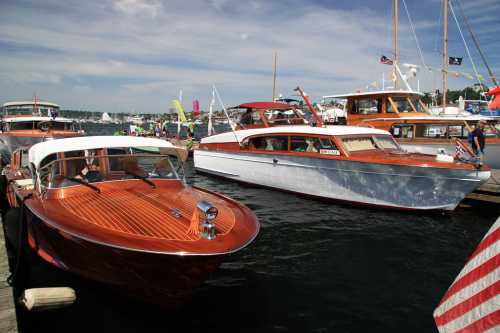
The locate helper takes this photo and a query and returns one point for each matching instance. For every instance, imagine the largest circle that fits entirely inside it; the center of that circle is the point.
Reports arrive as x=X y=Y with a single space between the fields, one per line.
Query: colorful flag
x=471 y=304
x=196 y=108
x=454 y=61
x=386 y=61
x=180 y=111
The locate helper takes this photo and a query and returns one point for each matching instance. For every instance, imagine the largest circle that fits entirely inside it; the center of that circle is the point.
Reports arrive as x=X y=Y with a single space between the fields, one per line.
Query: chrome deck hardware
x=208 y=214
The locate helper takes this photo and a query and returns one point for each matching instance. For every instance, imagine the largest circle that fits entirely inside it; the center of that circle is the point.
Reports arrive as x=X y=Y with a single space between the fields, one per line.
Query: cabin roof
x=15 y=119
x=32 y=103
x=451 y=119
x=298 y=129
x=43 y=149
x=372 y=93
x=265 y=105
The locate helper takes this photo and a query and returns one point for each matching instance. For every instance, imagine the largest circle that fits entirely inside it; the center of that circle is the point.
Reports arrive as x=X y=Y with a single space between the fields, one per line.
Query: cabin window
x=269 y=143
x=313 y=145
x=432 y=131
x=402 y=131
x=250 y=117
x=115 y=164
x=366 y=106
x=456 y=131
x=358 y=144
x=386 y=142
x=19 y=126
x=404 y=105
x=25 y=159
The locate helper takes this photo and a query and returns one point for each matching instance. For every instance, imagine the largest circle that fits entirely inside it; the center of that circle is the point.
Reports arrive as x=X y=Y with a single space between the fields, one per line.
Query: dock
x=8 y=318
x=489 y=191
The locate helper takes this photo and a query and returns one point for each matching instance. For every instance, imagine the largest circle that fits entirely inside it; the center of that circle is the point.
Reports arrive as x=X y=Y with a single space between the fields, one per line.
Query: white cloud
x=133 y=7
x=142 y=52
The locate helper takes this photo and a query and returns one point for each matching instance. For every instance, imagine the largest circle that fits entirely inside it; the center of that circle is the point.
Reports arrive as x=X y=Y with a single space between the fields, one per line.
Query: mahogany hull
x=164 y=279
x=386 y=185
x=491 y=156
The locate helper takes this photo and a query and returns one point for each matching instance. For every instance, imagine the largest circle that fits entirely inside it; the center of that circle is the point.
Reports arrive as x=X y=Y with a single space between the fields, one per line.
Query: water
x=315 y=267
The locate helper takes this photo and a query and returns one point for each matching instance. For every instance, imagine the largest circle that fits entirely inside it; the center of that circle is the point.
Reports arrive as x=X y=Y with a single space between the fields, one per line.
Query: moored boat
x=116 y=210
x=28 y=122
x=348 y=163
x=403 y=113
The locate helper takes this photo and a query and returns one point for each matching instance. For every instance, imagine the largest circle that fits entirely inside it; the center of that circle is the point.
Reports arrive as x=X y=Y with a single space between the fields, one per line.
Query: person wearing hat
x=478 y=140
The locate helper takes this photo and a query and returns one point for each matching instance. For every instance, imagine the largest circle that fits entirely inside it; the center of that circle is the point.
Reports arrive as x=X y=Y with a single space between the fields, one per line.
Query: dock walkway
x=8 y=318
x=489 y=191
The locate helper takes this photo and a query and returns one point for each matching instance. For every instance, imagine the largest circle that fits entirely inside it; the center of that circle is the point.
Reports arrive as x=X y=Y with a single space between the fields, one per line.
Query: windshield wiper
x=82 y=182
x=143 y=178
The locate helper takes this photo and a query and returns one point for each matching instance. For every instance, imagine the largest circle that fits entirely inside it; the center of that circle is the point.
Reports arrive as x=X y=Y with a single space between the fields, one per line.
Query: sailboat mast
x=445 y=52
x=274 y=75
x=396 y=47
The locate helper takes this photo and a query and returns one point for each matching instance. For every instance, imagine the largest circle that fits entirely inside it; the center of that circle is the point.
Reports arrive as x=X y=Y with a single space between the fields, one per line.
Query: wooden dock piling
x=8 y=318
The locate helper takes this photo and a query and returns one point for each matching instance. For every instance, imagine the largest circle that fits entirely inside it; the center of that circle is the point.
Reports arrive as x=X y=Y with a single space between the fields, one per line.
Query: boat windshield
x=90 y=166
x=404 y=104
x=378 y=142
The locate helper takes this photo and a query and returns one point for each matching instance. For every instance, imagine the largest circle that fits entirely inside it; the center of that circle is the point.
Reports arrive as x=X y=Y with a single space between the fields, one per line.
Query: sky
x=136 y=55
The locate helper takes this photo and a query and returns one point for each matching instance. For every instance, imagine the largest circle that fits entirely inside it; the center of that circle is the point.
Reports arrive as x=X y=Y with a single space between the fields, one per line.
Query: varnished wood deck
x=8 y=319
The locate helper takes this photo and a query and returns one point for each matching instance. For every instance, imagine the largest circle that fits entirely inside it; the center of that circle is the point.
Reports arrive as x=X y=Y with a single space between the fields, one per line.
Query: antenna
x=274 y=74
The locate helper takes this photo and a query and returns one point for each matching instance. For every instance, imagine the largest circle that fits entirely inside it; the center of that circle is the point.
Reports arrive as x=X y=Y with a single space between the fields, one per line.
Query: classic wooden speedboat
x=115 y=209
x=28 y=122
x=404 y=114
x=356 y=164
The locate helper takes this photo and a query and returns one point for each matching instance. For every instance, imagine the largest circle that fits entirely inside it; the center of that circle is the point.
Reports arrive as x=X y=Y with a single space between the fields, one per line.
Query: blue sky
x=135 y=55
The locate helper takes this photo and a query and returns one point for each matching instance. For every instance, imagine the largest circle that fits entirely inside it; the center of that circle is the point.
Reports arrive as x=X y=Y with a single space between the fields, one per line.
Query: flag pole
x=396 y=48
x=274 y=74
x=445 y=52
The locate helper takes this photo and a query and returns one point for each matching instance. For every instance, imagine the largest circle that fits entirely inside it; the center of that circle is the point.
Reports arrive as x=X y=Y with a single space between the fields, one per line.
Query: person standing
x=478 y=140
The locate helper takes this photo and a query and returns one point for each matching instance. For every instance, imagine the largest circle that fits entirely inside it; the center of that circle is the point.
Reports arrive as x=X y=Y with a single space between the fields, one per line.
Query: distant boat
x=28 y=122
x=138 y=120
x=106 y=118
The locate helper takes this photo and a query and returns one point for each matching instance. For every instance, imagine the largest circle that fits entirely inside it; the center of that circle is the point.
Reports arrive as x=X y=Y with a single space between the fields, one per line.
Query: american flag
x=386 y=61
x=472 y=303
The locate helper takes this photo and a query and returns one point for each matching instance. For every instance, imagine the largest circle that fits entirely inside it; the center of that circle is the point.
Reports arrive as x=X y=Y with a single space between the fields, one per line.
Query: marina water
x=316 y=266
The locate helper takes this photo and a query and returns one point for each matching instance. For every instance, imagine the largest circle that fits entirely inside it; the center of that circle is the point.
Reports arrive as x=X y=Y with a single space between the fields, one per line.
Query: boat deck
x=151 y=214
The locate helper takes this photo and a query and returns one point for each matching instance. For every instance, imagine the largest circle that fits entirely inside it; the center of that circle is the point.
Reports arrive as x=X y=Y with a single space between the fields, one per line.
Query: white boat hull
x=366 y=183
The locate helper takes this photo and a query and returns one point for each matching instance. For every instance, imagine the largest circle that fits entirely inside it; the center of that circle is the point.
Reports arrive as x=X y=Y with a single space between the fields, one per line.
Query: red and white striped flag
x=472 y=303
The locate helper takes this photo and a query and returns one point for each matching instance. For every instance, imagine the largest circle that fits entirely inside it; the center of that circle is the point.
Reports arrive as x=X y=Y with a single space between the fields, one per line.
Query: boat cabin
x=364 y=106
x=316 y=144
x=332 y=141
x=267 y=114
x=88 y=160
x=37 y=123
x=30 y=108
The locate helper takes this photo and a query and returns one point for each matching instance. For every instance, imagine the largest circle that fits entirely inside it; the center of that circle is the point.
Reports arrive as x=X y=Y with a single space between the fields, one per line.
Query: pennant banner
x=386 y=61
x=455 y=61
x=180 y=110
